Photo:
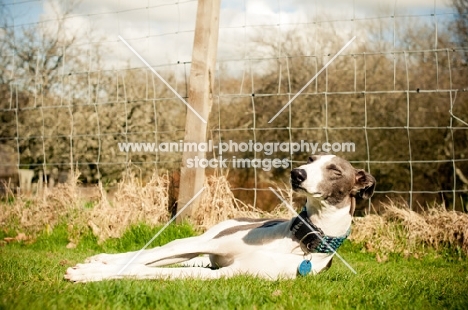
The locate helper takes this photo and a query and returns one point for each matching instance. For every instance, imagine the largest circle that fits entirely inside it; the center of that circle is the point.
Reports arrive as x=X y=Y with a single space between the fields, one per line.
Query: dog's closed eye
x=334 y=170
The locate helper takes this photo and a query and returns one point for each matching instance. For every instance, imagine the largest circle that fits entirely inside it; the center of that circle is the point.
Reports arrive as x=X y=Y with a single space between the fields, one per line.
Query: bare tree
x=460 y=24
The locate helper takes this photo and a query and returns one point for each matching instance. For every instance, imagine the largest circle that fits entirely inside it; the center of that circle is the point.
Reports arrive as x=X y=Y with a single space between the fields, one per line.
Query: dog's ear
x=364 y=184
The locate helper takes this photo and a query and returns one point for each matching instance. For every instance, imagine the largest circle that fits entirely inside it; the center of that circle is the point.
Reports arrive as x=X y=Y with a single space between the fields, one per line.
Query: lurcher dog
x=267 y=248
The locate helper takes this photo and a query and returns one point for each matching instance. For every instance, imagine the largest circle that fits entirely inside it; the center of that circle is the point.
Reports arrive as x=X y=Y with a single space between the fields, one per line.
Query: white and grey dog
x=267 y=248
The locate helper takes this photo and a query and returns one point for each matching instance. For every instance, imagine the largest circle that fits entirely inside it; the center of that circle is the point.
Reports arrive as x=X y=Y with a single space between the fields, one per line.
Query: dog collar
x=314 y=240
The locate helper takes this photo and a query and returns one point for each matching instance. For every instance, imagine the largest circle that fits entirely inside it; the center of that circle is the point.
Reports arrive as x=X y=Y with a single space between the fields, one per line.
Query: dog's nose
x=298 y=175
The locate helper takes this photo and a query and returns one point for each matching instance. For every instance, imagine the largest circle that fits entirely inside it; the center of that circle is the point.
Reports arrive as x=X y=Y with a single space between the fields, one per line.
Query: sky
x=162 y=30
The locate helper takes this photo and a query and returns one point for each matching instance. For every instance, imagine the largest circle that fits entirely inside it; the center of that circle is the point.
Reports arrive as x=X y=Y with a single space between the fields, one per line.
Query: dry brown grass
x=44 y=211
x=133 y=203
x=218 y=204
x=400 y=230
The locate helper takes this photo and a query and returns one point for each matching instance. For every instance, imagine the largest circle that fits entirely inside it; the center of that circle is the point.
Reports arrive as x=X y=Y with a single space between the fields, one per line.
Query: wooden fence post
x=200 y=95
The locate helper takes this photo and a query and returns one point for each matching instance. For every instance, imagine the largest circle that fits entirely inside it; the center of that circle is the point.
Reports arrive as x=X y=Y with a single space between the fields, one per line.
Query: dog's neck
x=333 y=220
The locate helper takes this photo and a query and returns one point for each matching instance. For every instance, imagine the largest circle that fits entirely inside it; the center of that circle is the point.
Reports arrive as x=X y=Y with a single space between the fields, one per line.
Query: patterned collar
x=311 y=238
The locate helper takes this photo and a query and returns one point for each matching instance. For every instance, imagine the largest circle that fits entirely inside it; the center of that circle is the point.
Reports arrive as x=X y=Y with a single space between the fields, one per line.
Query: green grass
x=31 y=277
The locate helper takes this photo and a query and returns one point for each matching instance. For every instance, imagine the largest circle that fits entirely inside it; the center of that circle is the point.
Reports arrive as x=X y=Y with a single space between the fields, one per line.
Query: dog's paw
x=92 y=272
x=84 y=273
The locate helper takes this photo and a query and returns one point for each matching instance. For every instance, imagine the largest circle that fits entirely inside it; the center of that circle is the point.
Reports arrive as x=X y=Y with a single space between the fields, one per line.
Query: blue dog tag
x=304 y=267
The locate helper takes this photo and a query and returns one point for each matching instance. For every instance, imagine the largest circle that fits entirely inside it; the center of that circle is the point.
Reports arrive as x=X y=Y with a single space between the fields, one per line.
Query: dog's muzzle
x=297 y=177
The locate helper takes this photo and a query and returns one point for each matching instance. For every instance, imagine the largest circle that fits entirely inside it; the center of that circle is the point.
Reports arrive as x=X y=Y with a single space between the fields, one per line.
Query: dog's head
x=332 y=179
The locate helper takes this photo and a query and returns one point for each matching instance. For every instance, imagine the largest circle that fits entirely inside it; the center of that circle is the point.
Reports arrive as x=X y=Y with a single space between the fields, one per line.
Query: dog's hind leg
x=181 y=259
x=176 y=251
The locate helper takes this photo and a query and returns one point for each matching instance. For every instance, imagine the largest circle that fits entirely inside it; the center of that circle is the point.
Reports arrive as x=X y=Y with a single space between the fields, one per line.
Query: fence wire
x=71 y=91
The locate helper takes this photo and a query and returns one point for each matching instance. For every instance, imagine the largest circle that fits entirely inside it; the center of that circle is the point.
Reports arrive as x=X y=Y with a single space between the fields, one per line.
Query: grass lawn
x=31 y=277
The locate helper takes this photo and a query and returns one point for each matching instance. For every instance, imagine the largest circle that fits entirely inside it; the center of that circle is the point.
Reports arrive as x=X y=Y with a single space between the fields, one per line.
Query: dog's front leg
x=99 y=271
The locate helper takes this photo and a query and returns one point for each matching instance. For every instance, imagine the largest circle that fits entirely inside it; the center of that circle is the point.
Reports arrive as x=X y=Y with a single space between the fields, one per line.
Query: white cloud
x=162 y=30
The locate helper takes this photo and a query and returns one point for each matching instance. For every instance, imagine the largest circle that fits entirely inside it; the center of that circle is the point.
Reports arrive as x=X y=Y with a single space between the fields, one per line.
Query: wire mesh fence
x=394 y=102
